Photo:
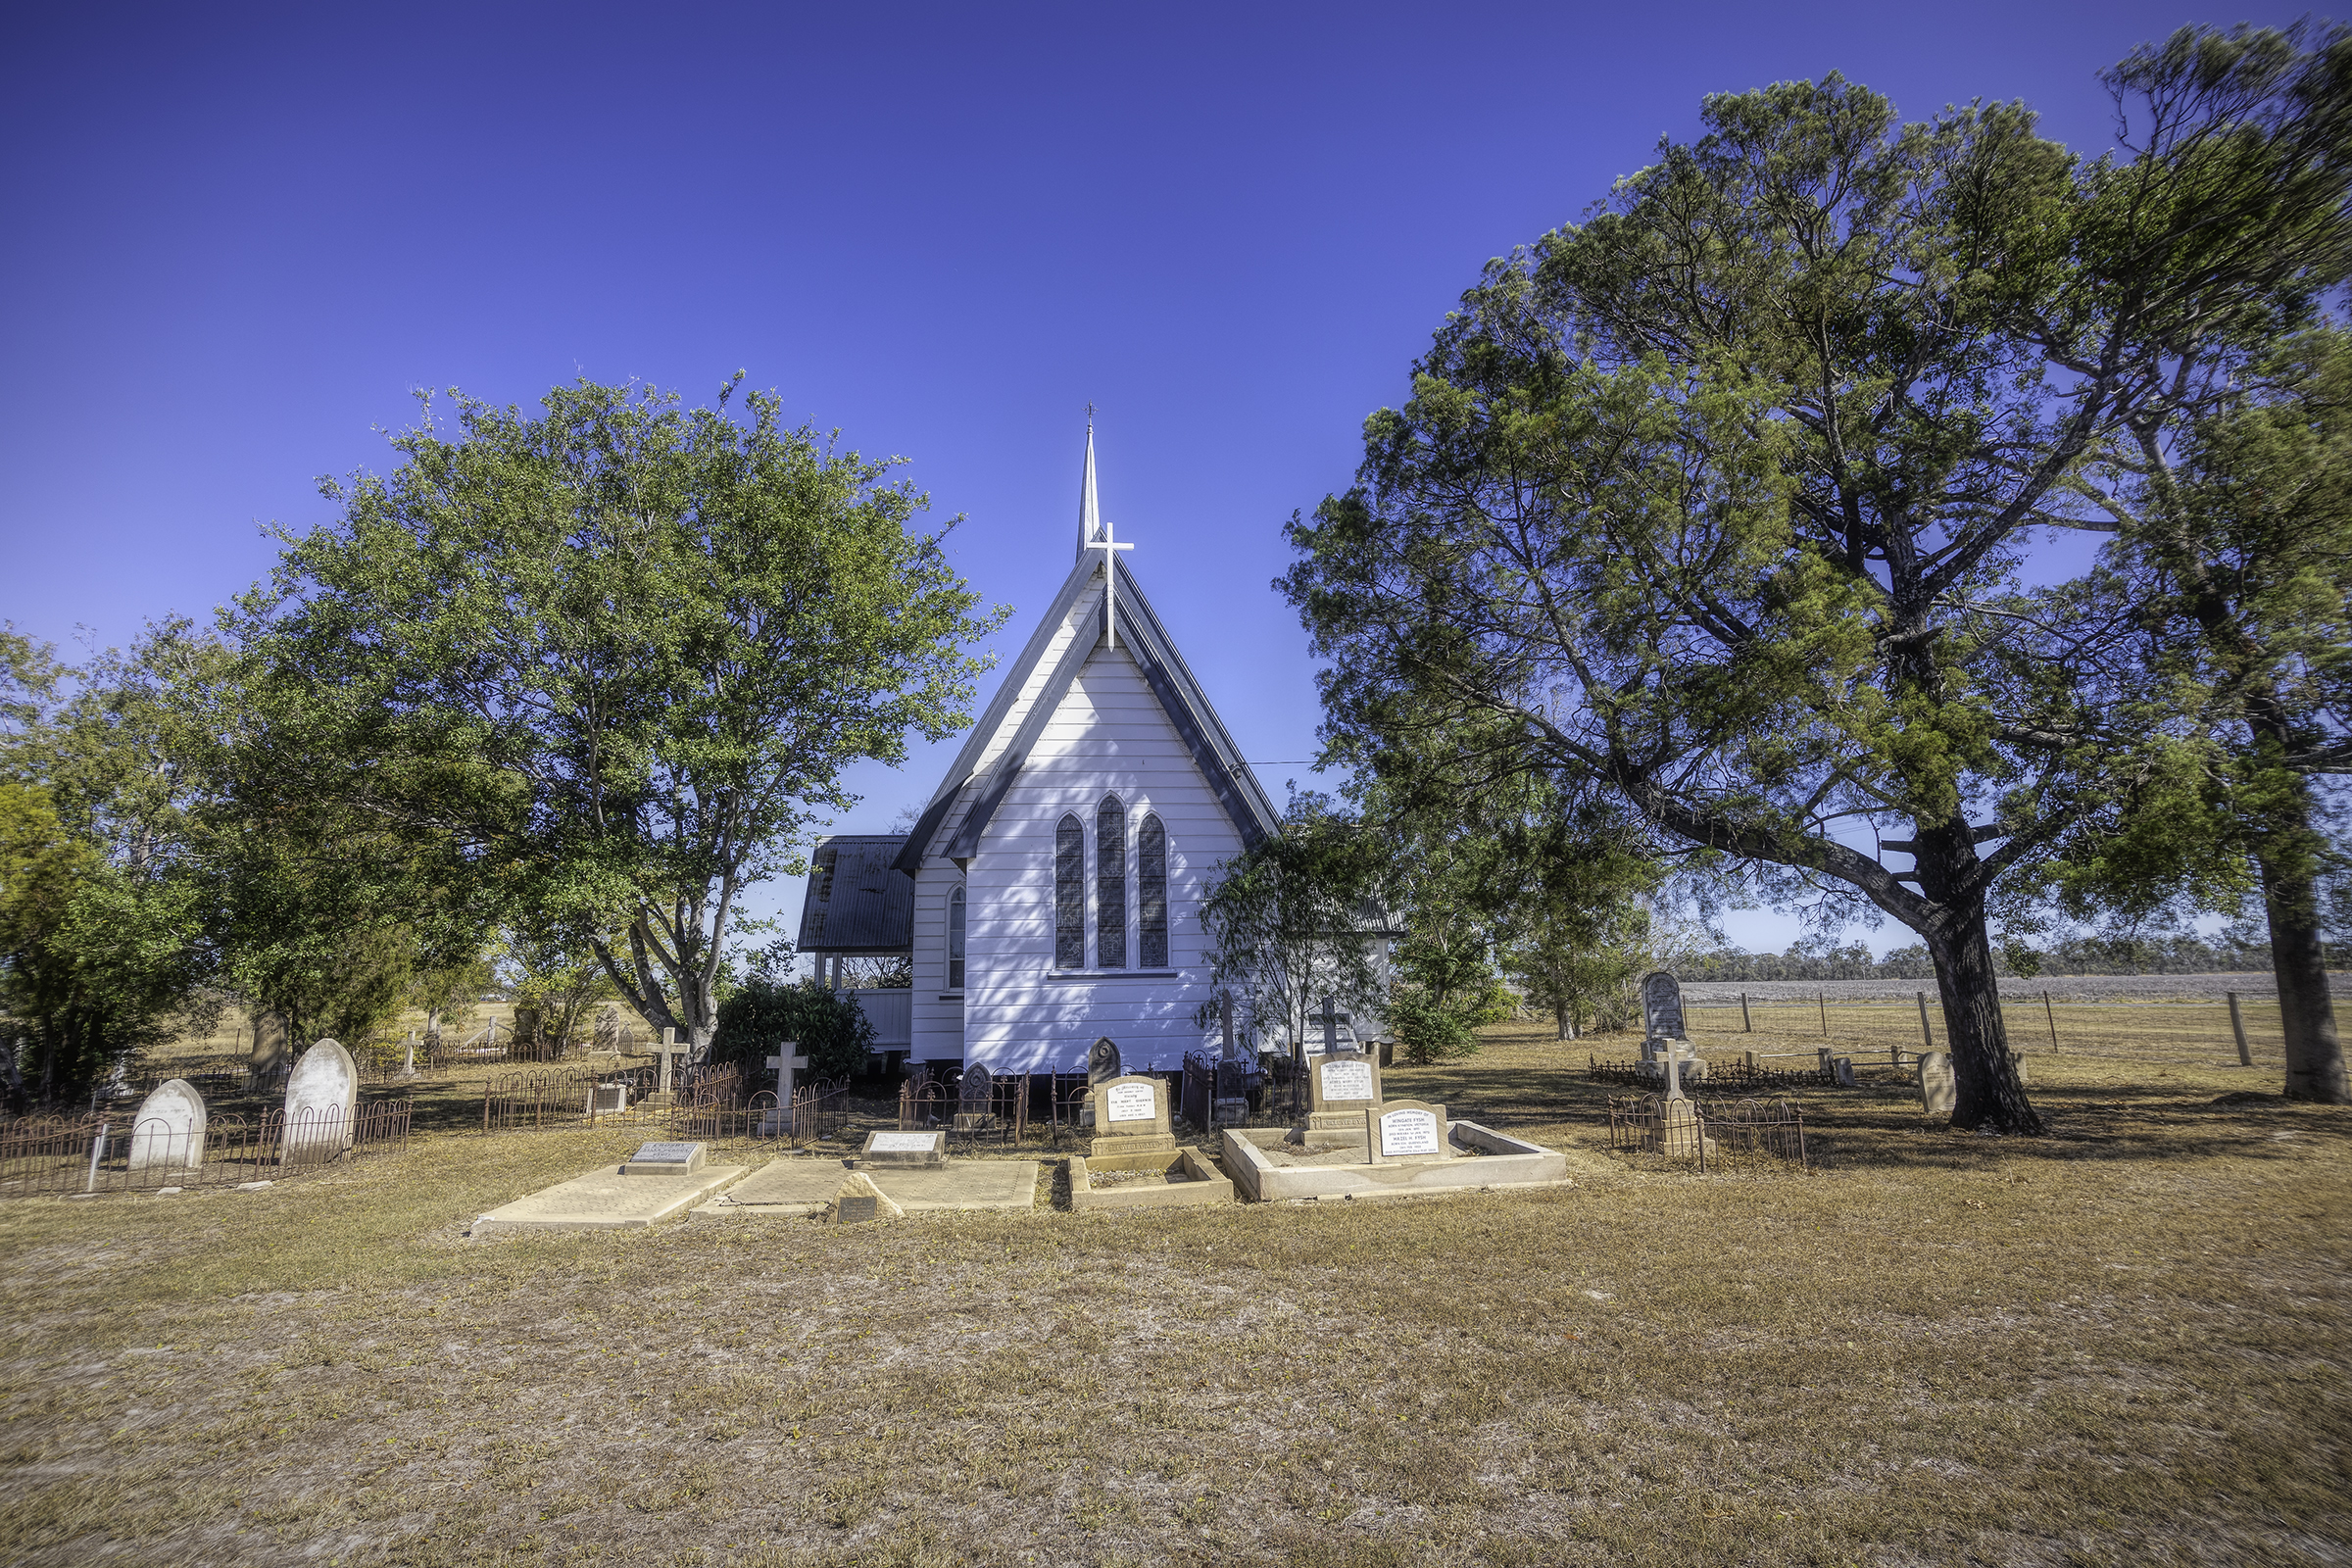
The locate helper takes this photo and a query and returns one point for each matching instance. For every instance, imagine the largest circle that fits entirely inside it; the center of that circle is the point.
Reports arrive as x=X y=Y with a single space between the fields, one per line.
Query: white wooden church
x=1050 y=893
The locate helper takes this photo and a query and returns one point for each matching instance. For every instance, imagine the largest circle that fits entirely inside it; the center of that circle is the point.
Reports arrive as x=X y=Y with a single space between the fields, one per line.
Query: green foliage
x=104 y=929
x=1716 y=503
x=606 y=663
x=1295 y=919
x=555 y=975
x=828 y=1026
x=1429 y=1028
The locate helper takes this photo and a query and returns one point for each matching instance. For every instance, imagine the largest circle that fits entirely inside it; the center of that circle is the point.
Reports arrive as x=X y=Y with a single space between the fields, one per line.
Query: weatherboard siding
x=938 y=1018
x=1107 y=735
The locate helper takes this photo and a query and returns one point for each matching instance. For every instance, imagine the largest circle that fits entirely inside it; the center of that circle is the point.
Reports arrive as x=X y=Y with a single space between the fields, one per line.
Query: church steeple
x=1090 y=517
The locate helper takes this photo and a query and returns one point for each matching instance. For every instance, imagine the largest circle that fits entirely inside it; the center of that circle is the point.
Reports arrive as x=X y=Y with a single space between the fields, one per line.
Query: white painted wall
x=1110 y=733
x=938 y=1013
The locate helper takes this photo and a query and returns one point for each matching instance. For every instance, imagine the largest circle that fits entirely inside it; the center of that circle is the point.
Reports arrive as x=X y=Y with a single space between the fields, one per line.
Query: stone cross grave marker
x=1103 y=1062
x=1938 y=1092
x=784 y=1064
x=1674 y=1068
x=168 y=1133
x=1662 y=1007
x=322 y=1095
x=667 y=1049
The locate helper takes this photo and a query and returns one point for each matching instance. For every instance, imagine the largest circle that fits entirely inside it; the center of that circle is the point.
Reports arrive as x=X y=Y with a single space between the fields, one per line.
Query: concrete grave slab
x=1265 y=1167
x=1148 y=1181
x=606 y=1200
x=792 y=1186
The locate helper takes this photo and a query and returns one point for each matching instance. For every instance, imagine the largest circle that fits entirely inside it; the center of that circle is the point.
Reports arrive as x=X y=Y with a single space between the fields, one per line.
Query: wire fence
x=2238 y=1031
x=1715 y=1135
x=122 y=1154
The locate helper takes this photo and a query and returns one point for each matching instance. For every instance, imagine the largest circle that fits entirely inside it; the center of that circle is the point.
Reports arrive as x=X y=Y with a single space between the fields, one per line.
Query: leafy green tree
x=612 y=658
x=104 y=937
x=1719 y=499
x=2237 y=561
x=1297 y=918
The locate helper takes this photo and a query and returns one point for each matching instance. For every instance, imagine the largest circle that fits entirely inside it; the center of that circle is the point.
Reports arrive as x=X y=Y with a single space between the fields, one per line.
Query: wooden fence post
x=1747 y=1025
x=2238 y=1026
x=2052 y=1013
x=1926 y=1034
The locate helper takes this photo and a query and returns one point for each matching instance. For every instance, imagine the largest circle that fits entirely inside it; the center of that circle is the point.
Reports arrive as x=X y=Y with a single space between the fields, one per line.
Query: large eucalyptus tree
x=1726 y=496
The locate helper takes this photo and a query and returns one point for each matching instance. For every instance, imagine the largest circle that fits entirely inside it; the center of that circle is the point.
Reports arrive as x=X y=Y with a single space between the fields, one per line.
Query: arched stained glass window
x=1152 y=894
x=956 y=940
x=1069 y=895
x=1111 y=884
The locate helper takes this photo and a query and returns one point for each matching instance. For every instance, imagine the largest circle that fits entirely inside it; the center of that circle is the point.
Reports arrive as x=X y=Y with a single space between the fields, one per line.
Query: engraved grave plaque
x=1406 y=1133
x=903 y=1143
x=852 y=1210
x=1132 y=1103
x=1343 y=1079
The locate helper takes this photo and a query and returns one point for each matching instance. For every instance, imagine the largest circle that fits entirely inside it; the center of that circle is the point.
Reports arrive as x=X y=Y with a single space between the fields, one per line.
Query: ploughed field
x=2122 y=1342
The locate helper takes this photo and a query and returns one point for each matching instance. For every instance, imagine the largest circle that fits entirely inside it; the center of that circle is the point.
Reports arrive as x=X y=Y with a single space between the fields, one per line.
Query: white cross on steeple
x=1095 y=534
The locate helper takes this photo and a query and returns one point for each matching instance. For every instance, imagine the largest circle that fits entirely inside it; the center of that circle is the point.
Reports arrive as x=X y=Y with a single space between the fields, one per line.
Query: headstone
x=1937 y=1092
x=784 y=1064
x=896 y=1148
x=1103 y=1062
x=269 y=1044
x=168 y=1133
x=1407 y=1129
x=1131 y=1116
x=1662 y=1007
x=1232 y=1051
x=608 y=1099
x=322 y=1095
x=665 y=1159
x=607 y=1028
x=1347 y=1081
x=1841 y=1068
x=408 y=1066
x=974 y=1090
x=857 y=1199
x=669 y=1050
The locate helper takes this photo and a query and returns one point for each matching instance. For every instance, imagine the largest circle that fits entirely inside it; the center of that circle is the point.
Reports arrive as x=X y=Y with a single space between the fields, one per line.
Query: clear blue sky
x=237 y=239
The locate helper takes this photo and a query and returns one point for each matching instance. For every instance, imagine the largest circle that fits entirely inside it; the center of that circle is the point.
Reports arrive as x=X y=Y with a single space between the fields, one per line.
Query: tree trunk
x=2315 y=1056
x=1989 y=1094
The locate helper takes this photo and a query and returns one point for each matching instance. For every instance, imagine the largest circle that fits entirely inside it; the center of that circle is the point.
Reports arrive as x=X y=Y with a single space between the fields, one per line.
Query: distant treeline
x=2073 y=955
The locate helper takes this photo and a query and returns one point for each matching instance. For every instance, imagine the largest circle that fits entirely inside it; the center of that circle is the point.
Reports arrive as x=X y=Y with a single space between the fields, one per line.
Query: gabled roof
x=940 y=831
x=859 y=901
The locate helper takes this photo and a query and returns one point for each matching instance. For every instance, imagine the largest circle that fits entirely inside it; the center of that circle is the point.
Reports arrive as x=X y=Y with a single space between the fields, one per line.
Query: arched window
x=1152 y=894
x=956 y=940
x=1069 y=895
x=1111 y=884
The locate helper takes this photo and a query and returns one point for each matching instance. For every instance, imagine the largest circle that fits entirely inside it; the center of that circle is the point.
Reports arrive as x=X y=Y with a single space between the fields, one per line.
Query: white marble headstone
x=168 y=1134
x=322 y=1097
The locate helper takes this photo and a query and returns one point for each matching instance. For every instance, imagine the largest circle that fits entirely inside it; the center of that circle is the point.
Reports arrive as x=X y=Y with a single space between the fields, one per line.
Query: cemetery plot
x=1711 y=1136
x=659 y=1181
x=1146 y=1181
x=795 y=1186
x=1268 y=1165
x=126 y=1154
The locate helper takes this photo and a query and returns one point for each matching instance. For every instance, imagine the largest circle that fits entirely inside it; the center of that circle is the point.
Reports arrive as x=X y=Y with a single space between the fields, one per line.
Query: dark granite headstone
x=972 y=1093
x=1103 y=1062
x=1662 y=1007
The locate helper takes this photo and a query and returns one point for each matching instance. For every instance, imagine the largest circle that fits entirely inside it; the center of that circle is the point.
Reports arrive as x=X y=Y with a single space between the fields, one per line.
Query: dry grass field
x=2122 y=1343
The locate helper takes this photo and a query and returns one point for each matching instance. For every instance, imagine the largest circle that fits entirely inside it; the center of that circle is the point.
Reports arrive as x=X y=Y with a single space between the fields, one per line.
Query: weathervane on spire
x=1089 y=527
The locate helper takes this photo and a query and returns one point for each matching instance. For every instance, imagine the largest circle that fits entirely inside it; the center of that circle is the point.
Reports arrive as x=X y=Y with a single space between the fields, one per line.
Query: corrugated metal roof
x=857 y=900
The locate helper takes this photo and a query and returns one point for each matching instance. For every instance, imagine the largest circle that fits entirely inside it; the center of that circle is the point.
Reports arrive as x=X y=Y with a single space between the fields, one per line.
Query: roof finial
x=1090 y=518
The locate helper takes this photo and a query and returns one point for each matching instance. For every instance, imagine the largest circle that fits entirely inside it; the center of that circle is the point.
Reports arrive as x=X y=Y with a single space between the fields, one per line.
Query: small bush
x=831 y=1030
x=1429 y=1030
